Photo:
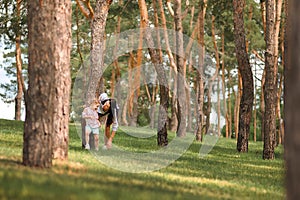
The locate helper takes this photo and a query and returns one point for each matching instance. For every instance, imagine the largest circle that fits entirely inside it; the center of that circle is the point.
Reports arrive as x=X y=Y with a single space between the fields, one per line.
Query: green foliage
x=222 y=174
x=143 y=118
x=12 y=25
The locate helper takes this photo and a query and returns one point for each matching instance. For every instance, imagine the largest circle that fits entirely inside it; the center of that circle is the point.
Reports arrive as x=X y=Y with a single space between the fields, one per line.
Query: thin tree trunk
x=153 y=106
x=262 y=105
x=219 y=107
x=84 y=70
x=276 y=55
x=162 y=135
x=127 y=108
x=278 y=108
x=262 y=99
x=263 y=14
x=224 y=86
x=20 y=81
x=115 y=77
x=135 y=93
x=270 y=87
x=254 y=107
x=19 y=96
x=237 y=105
x=236 y=113
x=181 y=115
x=283 y=36
x=216 y=73
x=229 y=110
x=173 y=120
x=246 y=103
x=188 y=100
x=199 y=73
x=254 y=119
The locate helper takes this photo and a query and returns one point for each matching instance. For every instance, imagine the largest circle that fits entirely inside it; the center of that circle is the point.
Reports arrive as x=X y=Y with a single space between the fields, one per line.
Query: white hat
x=103 y=97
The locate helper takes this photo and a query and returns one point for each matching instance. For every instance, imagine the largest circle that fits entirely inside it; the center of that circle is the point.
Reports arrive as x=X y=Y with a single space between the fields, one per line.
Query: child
x=92 y=124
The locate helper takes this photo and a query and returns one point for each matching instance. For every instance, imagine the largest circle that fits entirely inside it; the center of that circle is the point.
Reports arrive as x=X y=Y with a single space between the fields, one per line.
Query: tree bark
x=135 y=93
x=229 y=111
x=270 y=86
x=97 y=49
x=262 y=105
x=62 y=87
x=181 y=104
x=173 y=120
x=224 y=87
x=291 y=100
x=244 y=67
x=162 y=134
x=49 y=35
x=95 y=84
x=118 y=89
x=199 y=74
x=215 y=77
x=20 y=82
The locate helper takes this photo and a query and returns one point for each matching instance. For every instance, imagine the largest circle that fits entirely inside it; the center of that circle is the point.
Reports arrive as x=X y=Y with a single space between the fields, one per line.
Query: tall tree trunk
x=181 y=115
x=152 y=99
x=20 y=82
x=224 y=87
x=254 y=107
x=263 y=14
x=244 y=67
x=254 y=119
x=291 y=97
x=173 y=120
x=117 y=69
x=49 y=31
x=216 y=75
x=283 y=35
x=229 y=110
x=135 y=93
x=84 y=69
x=95 y=83
x=219 y=106
x=270 y=87
x=262 y=99
x=199 y=73
x=162 y=134
x=97 y=49
x=276 y=54
x=63 y=88
x=236 y=112
x=262 y=105
x=19 y=96
x=188 y=100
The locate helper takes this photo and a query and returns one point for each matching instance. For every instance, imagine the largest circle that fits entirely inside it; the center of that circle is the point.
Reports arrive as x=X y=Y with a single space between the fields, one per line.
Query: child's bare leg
x=96 y=140
x=87 y=139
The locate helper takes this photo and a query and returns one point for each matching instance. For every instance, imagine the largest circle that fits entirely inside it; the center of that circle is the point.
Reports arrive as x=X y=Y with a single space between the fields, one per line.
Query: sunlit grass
x=222 y=174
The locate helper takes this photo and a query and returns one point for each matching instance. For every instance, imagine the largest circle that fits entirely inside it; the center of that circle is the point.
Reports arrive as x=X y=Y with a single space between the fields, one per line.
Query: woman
x=110 y=108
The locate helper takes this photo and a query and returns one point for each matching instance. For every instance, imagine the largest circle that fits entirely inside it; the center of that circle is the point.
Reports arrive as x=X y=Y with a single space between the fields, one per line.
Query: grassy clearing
x=222 y=174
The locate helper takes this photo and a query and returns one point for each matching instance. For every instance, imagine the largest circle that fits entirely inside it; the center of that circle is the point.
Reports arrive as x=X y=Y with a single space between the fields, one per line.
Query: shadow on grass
x=10 y=162
x=63 y=181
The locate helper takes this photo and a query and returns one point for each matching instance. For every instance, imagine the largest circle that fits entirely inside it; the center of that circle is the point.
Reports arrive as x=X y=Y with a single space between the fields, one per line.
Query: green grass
x=222 y=174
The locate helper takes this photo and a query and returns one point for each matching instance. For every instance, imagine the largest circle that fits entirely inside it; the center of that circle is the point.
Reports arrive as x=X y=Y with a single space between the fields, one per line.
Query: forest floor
x=221 y=174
